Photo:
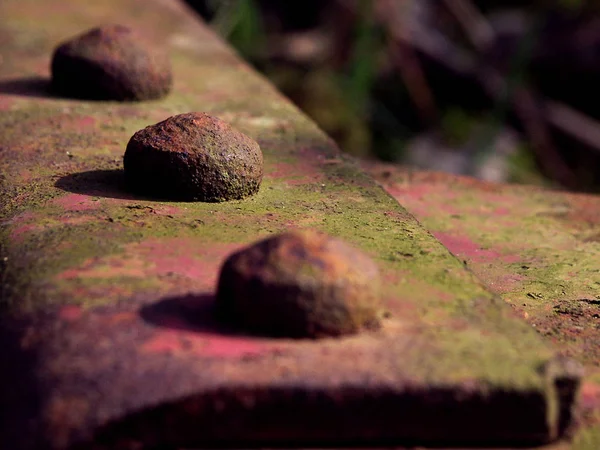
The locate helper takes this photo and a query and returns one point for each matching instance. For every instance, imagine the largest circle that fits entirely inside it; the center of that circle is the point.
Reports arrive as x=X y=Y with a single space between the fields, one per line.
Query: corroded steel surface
x=108 y=332
x=539 y=249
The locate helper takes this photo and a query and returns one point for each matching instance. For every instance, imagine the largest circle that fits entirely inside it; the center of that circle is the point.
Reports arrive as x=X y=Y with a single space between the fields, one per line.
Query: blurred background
x=501 y=90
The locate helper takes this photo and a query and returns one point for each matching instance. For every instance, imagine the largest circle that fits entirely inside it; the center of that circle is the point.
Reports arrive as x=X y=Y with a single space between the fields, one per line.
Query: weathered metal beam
x=536 y=248
x=108 y=333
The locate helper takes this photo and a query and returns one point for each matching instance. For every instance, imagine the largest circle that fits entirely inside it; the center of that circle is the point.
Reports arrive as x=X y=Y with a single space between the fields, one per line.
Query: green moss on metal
x=465 y=333
x=347 y=204
x=537 y=249
x=587 y=439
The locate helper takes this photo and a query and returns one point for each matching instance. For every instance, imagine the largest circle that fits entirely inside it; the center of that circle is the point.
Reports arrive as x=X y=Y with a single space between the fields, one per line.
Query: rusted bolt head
x=301 y=284
x=192 y=157
x=110 y=63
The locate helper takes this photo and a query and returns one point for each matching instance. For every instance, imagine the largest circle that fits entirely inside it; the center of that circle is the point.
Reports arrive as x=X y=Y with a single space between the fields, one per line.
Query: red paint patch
x=6 y=103
x=463 y=247
x=121 y=317
x=305 y=170
x=499 y=212
x=205 y=344
x=418 y=192
x=105 y=269
x=76 y=202
x=418 y=198
x=186 y=257
x=590 y=397
x=18 y=233
x=23 y=217
x=70 y=313
x=85 y=122
x=178 y=265
x=295 y=174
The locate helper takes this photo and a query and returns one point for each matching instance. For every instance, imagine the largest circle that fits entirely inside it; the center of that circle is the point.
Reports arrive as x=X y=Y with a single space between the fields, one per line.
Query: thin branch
x=407 y=63
x=477 y=29
x=414 y=79
x=534 y=122
x=524 y=102
x=574 y=123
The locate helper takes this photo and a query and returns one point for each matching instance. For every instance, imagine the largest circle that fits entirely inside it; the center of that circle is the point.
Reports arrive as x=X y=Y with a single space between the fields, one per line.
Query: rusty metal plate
x=108 y=334
x=537 y=248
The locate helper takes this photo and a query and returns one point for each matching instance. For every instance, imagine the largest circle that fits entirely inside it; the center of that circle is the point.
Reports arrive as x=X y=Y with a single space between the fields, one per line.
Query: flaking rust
x=300 y=284
x=110 y=63
x=193 y=156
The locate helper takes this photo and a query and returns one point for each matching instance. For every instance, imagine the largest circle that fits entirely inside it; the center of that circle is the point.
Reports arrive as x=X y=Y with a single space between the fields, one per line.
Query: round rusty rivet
x=300 y=284
x=110 y=63
x=192 y=157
